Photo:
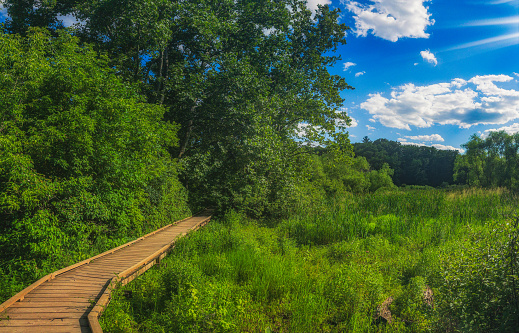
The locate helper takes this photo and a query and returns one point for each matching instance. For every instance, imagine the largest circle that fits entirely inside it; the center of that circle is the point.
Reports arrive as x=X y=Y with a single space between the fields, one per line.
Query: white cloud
x=459 y=102
x=341 y=123
x=403 y=142
x=347 y=65
x=443 y=147
x=370 y=128
x=360 y=73
x=428 y=138
x=429 y=57
x=437 y=146
x=391 y=19
x=512 y=129
x=312 y=4
x=304 y=129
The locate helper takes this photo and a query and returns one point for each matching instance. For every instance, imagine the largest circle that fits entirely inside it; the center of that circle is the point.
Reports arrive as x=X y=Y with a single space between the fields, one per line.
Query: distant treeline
x=412 y=165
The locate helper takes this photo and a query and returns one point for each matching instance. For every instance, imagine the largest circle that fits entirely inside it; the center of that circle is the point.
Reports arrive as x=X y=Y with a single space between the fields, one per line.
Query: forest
x=145 y=111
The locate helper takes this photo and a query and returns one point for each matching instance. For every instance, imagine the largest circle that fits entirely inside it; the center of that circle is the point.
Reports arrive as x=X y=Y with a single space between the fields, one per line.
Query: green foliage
x=333 y=270
x=83 y=159
x=241 y=79
x=412 y=165
x=381 y=178
x=489 y=162
x=480 y=292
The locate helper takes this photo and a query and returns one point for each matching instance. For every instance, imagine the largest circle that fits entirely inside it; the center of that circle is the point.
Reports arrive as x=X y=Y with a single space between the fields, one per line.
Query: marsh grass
x=323 y=272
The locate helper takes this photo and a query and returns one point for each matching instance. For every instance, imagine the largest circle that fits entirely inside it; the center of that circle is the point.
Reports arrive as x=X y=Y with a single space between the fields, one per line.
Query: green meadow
x=408 y=260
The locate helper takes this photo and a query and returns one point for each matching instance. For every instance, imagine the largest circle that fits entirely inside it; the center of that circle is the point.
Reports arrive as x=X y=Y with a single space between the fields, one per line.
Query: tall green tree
x=490 y=162
x=240 y=77
x=83 y=158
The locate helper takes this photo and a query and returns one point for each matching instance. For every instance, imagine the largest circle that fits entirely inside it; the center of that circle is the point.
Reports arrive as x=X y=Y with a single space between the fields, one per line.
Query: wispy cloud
x=429 y=57
x=354 y=122
x=494 y=42
x=68 y=20
x=3 y=11
x=511 y=20
x=500 y=2
x=360 y=73
x=370 y=128
x=444 y=147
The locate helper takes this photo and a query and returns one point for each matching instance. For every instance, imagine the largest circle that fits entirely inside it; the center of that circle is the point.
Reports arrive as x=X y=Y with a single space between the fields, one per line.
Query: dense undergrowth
x=441 y=261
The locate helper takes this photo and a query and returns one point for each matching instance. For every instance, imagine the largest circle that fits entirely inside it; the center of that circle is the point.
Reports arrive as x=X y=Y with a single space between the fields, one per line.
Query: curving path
x=65 y=301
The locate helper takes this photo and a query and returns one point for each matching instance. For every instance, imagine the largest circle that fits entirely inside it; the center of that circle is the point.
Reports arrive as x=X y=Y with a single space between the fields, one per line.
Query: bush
x=480 y=291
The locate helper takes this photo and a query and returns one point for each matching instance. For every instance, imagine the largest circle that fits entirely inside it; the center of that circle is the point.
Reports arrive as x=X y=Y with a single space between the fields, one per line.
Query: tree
x=412 y=165
x=83 y=158
x=240 y=77
x=490 y=162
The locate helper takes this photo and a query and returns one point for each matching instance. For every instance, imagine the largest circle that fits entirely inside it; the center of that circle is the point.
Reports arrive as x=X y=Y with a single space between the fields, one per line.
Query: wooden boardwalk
x=70 y=300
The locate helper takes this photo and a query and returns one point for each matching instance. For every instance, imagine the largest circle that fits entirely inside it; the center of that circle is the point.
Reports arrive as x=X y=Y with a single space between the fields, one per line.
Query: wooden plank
x=53 y=304
x=48 y=329
x=92 y=276
x=78 y=276
x=44 y=322
x=67 y=284
x=22 y=293
x=52 y=296
x=52 y=288
x=15 y=311
x=45 y=315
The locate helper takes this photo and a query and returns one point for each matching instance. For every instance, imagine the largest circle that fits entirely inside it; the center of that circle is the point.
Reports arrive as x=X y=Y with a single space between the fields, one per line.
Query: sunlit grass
x=315 y=272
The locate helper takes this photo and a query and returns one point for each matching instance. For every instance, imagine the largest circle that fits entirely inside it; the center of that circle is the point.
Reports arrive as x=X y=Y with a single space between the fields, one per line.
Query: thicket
x=84 y=161
x=440 y=261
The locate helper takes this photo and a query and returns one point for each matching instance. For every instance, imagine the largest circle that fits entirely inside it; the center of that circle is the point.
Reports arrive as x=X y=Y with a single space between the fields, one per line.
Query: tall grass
x=316 y=272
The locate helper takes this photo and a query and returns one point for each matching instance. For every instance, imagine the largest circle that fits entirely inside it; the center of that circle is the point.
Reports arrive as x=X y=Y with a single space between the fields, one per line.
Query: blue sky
x=430 y=72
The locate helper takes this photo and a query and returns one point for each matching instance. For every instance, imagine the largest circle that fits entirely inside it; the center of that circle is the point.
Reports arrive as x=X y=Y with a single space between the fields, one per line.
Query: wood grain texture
x=73 y=298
